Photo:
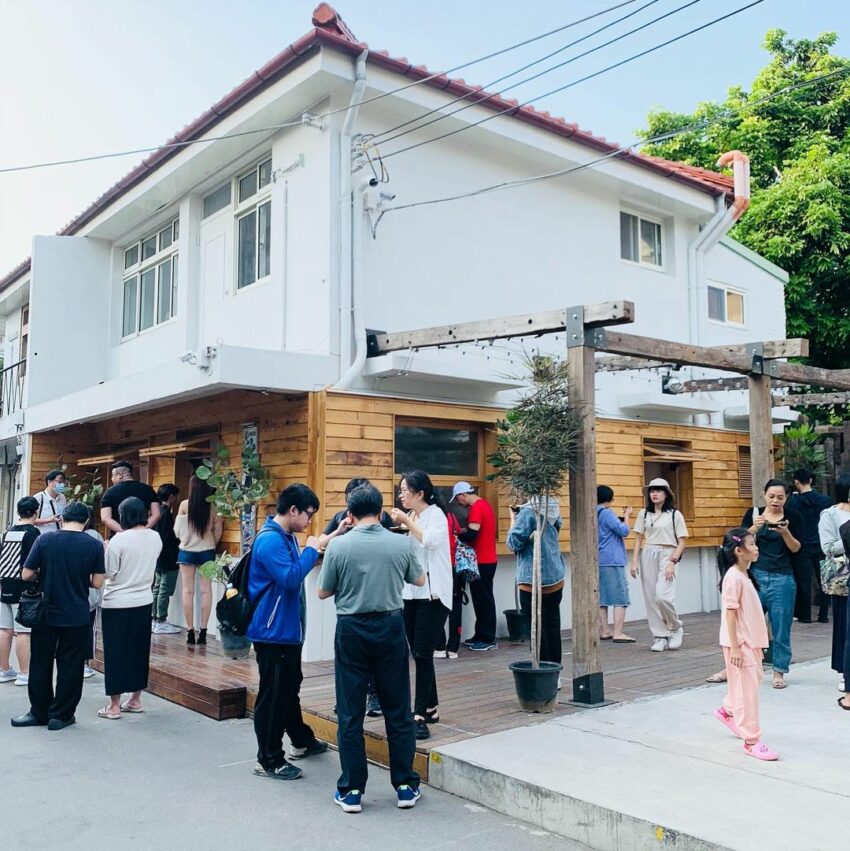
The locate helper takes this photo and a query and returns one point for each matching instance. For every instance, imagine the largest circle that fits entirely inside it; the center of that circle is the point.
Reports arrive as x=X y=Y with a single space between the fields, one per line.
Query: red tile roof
x=331 y=31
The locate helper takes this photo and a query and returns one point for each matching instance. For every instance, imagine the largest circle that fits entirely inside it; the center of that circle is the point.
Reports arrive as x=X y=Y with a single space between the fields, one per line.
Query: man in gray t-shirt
x=365 y=570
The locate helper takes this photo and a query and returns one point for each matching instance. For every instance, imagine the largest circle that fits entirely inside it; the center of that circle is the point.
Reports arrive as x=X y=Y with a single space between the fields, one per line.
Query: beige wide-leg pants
x=658 y=594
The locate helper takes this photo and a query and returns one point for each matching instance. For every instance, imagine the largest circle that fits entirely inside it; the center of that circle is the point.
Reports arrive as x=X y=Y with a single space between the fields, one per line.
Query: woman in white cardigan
x=425 y=608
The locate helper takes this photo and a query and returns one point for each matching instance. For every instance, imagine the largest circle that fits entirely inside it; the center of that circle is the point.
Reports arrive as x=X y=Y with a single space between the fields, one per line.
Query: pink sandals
x=727 y=720
x=761 y=751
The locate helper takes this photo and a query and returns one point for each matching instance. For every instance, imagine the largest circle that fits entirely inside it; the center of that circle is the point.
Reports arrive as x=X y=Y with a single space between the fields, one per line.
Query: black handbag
x=32 y=608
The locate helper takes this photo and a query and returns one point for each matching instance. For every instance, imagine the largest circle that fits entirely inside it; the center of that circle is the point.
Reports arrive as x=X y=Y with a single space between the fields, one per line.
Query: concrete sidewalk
x=663 y=772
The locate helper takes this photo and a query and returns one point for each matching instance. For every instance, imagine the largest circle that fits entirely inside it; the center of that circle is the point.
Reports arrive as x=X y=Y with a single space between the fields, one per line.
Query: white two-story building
x=222 y=290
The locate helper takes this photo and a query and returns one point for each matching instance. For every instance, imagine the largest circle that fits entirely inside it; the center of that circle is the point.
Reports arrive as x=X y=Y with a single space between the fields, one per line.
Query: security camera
x=188 y=357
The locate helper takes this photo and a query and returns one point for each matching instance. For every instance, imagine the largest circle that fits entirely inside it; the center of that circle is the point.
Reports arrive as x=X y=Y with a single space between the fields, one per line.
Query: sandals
x=842 y=704
x=779 y=684
x=606 y=637
x=719 y=677
x=625 y=640
x=125 y=707
x=109 y=716
x=432 y=716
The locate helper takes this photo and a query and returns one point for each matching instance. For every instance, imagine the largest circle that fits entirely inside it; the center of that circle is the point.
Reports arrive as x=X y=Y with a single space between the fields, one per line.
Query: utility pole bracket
x=574 y=326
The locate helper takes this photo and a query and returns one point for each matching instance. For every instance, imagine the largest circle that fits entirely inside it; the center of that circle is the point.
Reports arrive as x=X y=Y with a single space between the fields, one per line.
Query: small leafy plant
x=87 y=489
x=235 y=489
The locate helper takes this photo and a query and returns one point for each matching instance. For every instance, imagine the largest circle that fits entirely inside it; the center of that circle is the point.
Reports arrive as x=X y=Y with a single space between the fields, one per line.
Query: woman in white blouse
x=425 y=608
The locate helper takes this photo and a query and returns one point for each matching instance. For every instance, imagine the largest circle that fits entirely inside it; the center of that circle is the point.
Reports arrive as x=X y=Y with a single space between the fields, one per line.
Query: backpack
x=464 y=559
x=235 y=609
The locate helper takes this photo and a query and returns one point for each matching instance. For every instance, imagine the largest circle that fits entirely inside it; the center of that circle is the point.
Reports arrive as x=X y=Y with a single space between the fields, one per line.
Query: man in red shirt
x=480 y=533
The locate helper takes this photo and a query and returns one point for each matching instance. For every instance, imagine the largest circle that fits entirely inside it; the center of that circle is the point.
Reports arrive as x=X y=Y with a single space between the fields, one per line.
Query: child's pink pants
x=742 y=694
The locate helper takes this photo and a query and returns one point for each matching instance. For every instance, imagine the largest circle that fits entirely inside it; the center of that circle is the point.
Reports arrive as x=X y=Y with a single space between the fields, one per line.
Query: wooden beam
x=584 y=545
x=761 y=434
x=712 y=385
x=547 y=322
x=795 y=400
x=615 y=363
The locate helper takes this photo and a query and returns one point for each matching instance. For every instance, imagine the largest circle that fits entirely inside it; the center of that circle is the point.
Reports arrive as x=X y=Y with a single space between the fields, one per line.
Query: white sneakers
x=22 y=680
x=658 y=645
x=165 y=628
x=676 y=639
x=88 y=671
x=8 y=676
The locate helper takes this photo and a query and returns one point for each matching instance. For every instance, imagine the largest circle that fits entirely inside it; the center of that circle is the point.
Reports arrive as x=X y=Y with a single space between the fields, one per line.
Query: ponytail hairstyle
x=419 y=480
x=726 y=558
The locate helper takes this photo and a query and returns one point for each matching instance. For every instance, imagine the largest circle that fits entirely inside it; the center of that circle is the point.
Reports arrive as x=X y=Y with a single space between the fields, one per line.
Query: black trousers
x=372 y=648
x=68 y=648
x=550 y=616
x=839 y=633
x=484 y=604
x=455 y=618
x=278 y=707
x=423 y=623
x=807 y=575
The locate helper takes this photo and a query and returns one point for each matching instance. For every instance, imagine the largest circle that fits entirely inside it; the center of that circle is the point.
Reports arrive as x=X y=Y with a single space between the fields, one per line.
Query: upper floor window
x=725 y=305
x=150 y=280
x=217 y=200
x=640 y=240
x=253 y=224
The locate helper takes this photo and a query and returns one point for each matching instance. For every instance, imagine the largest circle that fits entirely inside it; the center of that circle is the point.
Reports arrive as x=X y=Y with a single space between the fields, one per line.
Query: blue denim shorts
x=194 y=559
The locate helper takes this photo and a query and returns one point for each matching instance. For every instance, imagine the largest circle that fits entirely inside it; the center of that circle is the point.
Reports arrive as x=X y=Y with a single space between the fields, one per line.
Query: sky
x=96 y=76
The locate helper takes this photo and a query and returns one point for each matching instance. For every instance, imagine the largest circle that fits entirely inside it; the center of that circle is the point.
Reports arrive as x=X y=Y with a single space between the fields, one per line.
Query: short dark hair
x=804 y=476
x=132 y=513
x=76 y=512
x=53 y=475
x=603 y=494
x=775 y=483
x=27 y=506
x=121 y=465
x=419 y=480
x=356 y=482
x=166 y=491
x=842 y=488
x=297 y=496
x=365 y=501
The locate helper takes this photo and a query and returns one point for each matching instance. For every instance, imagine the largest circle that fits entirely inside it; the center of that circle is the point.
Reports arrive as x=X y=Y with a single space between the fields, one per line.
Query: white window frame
x=726 y=291
x=641 y=217
x=137 y=269
x=245 y=208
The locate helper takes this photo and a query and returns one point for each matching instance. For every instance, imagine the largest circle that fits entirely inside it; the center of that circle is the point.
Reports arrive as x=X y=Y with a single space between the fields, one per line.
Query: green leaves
x=234 y=489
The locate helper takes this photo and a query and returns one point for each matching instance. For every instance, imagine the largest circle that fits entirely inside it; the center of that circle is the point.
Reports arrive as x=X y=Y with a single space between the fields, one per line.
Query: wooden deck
x=476 y=691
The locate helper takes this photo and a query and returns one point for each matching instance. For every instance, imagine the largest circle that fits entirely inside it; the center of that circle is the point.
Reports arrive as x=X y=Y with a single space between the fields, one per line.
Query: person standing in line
x=366 y=571
x=342 y=521
x=480 y=532
x=660 y=532
x=425 y=607
x=613 y=587
x=809 y=504
x=126 y=609
x=520 y=540
x=777 y=530
x=829 y=532
x=167 y=568
x=198 y=529
x=65 y=564
x=124 y=486
x=51 y=502
x=275 y=586
x=17 y=543
x=743 y=636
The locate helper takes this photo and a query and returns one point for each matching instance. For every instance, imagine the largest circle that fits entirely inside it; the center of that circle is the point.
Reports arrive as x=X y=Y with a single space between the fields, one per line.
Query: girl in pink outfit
x=743 y=634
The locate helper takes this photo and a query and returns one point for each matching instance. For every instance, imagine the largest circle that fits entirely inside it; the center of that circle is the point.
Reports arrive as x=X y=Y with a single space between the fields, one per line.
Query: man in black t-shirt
x=124 y=486
x=17 y=543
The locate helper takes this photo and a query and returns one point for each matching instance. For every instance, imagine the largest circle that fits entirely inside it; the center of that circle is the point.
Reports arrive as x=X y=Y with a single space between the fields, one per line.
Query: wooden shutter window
x=745 y=473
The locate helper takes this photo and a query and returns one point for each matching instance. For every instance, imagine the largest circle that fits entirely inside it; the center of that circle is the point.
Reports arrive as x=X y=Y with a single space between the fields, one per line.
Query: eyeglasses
x=309 y=512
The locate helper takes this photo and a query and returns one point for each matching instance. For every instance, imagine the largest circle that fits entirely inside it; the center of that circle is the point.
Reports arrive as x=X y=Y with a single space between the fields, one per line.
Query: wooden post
x=761 y=433
x=584 y=549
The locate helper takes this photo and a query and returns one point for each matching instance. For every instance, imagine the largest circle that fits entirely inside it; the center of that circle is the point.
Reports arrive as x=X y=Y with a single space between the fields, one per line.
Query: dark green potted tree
x=535 y=452
x=236 y=493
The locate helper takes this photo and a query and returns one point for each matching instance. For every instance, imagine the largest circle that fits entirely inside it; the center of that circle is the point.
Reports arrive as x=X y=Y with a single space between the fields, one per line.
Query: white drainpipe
x=712 y=233
x=345 y=202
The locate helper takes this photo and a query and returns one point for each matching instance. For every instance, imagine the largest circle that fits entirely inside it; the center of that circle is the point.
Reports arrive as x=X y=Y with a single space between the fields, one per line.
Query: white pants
x=659 y=594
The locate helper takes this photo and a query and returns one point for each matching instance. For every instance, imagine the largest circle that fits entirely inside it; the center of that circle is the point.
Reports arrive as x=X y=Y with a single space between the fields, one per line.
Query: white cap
x=461 y=487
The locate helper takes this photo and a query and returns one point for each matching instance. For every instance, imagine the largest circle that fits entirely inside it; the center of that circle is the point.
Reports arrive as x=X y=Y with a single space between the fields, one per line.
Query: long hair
x=669 y=503
x=726 y=558
x=199 y=509
x=419 y=480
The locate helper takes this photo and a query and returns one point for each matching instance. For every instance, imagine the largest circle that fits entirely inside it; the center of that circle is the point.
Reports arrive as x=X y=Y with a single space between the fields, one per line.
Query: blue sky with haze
x=96 y=76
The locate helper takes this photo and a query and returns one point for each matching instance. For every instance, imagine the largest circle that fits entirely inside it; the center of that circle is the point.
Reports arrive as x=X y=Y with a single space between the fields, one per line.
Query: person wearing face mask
x=51 y=502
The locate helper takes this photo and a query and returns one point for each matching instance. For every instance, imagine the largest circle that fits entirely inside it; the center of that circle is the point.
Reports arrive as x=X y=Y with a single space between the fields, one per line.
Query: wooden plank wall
x=68 y=444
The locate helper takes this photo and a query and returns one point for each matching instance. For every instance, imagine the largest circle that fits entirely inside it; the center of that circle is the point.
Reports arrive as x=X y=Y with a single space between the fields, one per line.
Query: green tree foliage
x=799 y=147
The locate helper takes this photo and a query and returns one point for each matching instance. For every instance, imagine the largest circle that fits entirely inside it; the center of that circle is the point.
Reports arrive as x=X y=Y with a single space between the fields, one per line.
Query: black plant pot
x=518 y=625
x=536 y=689
x=234 y=646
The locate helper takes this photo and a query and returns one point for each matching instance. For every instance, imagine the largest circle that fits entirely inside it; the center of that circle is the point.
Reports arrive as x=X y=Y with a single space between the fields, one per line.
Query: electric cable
x=578 y=81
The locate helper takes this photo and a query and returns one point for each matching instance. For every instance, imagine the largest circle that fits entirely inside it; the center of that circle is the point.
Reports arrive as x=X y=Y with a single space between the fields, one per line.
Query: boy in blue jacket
x=275 y=578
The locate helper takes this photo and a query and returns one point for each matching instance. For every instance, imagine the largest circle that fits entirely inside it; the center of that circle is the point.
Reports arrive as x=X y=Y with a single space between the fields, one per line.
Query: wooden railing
x=12 y=380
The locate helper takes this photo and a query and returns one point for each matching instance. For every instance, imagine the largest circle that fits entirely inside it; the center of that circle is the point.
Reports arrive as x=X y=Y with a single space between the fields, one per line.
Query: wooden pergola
x=588 y=330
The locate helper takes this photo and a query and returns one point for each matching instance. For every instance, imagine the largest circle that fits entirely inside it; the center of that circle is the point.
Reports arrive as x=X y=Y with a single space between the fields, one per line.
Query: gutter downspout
x=345 y=219
x=712 y=233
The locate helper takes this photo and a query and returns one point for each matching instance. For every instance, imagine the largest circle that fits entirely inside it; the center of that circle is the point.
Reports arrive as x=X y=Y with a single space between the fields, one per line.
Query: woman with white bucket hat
x=660 y=532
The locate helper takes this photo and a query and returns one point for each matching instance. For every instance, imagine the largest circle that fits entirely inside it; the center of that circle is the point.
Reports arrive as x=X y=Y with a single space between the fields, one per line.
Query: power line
x=696 y=127
x=580 y=80
x=275 y=127
x=487 y=95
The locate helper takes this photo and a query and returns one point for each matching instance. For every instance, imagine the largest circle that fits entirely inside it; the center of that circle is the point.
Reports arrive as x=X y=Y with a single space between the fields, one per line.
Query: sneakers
x=88 y=671
x=420 y=729
x=480 y=646
x=373 y=706
x=761 y=751
x=22 y=680
x=676 y=639
x=441 y=654
x=408 y=796
x=841 y=685
x=658 y=645
x=450 y=654
x=287 y=771
x=9 y=676
x=727 y=720
x=311 y=750
x=350 y=802
x=166 y=628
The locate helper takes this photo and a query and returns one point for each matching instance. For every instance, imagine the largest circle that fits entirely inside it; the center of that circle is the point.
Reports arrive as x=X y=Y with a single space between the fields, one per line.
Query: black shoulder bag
x=32 y=608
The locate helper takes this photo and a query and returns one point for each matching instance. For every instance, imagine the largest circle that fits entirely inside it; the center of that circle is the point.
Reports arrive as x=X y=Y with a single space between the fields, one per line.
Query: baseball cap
x=461 y=487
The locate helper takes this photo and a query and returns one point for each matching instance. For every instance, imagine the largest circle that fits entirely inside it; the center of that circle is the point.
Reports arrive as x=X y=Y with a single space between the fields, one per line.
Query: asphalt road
x=172 y=779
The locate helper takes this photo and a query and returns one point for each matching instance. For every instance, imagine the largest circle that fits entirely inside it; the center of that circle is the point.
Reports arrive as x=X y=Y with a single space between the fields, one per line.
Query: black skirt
x=126 y=648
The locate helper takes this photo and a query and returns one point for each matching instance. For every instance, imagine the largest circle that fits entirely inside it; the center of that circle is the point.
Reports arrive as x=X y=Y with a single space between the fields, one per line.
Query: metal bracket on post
x=575 y=326
x=761 y=365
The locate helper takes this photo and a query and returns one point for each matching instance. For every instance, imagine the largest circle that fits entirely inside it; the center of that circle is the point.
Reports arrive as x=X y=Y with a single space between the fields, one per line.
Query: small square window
x=131 y=256
x=148 y=248
x=247 y=186
x=217 y=200
x=734 y=307
x=716 y=304
x=166 y=236
x=265 y=171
